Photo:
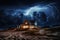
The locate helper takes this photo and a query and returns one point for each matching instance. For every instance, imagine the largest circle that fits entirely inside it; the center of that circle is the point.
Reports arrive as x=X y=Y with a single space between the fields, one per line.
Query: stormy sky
x=10 y=12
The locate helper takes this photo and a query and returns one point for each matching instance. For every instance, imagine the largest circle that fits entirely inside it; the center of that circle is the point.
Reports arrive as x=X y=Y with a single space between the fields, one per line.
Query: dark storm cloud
x=21 y=2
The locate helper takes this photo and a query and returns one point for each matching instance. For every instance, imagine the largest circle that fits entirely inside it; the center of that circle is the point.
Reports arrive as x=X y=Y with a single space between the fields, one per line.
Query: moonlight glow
x=29 y=12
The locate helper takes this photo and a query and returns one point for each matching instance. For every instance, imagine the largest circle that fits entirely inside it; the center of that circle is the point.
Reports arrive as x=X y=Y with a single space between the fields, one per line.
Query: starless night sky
x=7 y=20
